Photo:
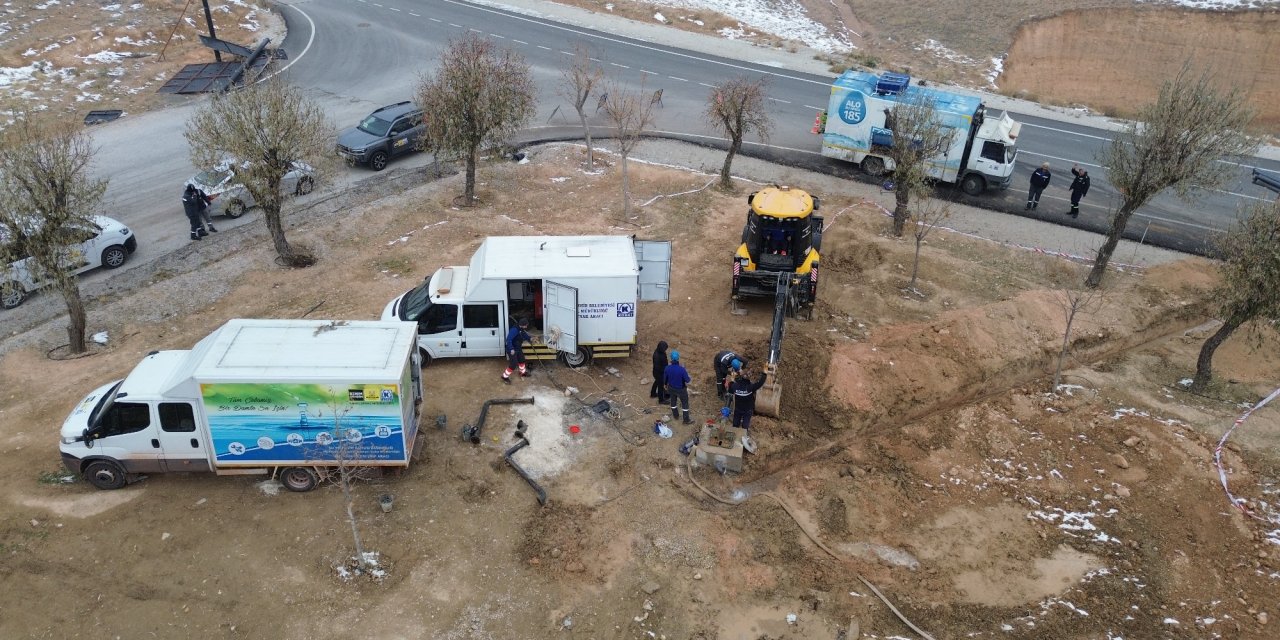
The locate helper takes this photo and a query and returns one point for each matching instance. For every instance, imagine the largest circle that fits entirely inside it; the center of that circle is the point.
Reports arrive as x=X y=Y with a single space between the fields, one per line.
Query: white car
x=109 y=247
x=228 y=197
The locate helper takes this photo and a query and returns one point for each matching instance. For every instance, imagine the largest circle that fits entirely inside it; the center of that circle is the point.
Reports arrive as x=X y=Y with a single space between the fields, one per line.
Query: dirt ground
x=918 y=444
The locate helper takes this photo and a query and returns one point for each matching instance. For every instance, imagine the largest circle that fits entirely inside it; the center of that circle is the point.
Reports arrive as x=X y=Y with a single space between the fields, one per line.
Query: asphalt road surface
x=356 y=55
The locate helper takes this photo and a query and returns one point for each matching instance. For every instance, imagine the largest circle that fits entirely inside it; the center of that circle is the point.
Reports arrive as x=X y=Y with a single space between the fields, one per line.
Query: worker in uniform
x=516 y=337
x=677 y=381
x=659 y=390
x=724 y=362
x=744 y=398
x=1079 y=187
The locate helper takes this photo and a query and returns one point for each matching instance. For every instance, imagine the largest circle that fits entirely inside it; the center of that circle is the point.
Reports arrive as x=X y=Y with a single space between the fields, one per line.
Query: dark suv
x=390 y=131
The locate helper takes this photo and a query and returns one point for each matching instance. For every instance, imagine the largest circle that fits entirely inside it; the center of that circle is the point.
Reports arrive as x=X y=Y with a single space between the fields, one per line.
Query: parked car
x=388 y=132
x=109 y=245
x=228 y=197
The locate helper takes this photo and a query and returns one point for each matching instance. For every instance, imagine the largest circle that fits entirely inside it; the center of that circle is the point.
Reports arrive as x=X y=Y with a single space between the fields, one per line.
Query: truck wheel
x=378 y=161
x=299 y=479
x=114 y=256
x=104 y=474
x=873 y=166
x=579 y=358
x=11 y=294
x=235 y=208
x=305 y=185
x=973 y=184
x=425 y=358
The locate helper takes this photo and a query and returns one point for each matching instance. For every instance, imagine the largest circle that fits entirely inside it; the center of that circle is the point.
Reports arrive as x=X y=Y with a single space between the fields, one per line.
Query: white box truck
x=579 y=294
x=293 y=398
x=857 y=127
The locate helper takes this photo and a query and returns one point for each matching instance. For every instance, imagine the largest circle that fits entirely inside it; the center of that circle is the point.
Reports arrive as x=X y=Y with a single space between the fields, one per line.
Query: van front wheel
x=581 y=357
x=105 y=474
x=299 y=479
x=973 y=184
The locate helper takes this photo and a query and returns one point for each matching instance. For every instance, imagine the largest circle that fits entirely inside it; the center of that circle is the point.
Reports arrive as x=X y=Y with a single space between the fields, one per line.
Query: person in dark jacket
x=723 y=364
x=677 y=381
x=1079 y=187
x=191 y=205
x=1039 y=180
x=744 y=398
x=659 y=390
x=516 y=338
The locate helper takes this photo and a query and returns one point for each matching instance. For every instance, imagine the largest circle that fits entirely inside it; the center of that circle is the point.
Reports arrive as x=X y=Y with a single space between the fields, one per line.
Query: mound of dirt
x=1115 y=59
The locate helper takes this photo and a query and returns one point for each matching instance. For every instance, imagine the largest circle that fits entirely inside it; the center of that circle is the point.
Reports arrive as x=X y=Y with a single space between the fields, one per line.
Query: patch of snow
x=103 y=57
x=782 y=18
x=10 y=75
x=997 y=68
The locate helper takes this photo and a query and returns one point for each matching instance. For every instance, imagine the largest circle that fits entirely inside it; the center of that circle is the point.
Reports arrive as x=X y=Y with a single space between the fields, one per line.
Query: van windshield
x=416 y=302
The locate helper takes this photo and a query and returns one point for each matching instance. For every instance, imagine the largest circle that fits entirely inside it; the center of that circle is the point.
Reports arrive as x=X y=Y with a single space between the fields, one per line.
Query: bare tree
x=266 y=129
x=480 y=95
x=47 y=203
x=342 y=445
x=1250 y=288
x=631 y=113
x=735 y=108
x=929 y=213
x=1177 y=141
x=576 y=83
x=918 y=136
x=1074 y=298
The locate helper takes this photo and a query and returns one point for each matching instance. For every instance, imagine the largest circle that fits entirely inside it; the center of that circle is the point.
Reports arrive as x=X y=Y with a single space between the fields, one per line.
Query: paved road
x=356 y=55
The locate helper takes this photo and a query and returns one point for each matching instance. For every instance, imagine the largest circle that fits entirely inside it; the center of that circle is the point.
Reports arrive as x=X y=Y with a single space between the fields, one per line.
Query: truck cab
x=450 y=326
x=130 y=427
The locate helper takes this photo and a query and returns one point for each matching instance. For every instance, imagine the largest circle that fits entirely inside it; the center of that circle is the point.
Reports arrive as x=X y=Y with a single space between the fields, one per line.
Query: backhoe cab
x=782 y=237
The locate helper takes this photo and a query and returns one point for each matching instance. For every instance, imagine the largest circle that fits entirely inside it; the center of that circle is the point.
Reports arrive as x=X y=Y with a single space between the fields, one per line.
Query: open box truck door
x=560 y=317
x=654 y=258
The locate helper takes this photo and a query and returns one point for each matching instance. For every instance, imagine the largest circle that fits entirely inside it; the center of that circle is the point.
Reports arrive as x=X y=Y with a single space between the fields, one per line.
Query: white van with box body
x=579 y=294
x=291 y=398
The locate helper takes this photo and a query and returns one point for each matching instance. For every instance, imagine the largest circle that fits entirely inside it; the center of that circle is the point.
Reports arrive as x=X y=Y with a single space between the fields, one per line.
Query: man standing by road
x=744 y=398
x=677 y=381
x=191 y=205
x=1039 y=180
x=516 y=338
x=1079 y=187
x=723 y=363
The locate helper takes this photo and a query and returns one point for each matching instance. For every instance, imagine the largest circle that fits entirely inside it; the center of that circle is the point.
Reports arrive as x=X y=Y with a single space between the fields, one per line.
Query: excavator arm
x=769 y=397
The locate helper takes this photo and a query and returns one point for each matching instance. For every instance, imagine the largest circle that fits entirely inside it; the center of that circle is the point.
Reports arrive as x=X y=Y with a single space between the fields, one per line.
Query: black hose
x=524 y=442
x=472 y=432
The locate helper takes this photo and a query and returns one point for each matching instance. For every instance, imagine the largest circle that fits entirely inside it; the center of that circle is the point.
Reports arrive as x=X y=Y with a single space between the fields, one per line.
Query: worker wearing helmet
x=516 y=338
x=724 y=362
x=677 y=380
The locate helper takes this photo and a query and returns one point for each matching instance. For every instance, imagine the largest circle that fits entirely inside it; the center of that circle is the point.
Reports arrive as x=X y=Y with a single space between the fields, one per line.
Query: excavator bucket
x=769 y=397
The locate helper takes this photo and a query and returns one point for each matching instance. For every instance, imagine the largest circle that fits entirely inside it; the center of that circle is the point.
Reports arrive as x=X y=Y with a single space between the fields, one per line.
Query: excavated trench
x=909 y=372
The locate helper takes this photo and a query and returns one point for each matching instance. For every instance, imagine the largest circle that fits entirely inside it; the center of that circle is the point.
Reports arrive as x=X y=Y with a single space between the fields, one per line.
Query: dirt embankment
x=1115 y=59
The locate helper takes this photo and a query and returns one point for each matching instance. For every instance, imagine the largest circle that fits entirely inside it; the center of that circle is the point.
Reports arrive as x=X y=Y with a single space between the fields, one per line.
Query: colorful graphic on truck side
x=253 y=424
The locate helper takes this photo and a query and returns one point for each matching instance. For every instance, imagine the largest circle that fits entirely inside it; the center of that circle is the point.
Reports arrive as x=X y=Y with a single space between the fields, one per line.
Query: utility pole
x=208 y=19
